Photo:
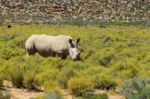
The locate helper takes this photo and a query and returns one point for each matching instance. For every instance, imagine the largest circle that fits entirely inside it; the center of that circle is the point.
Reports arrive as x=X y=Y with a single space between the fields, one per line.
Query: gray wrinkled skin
x=46 y=45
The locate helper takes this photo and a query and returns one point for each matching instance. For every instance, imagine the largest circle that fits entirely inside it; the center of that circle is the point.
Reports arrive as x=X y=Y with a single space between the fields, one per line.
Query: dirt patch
x=66 y=94
x=113 y=95
x=17 y=93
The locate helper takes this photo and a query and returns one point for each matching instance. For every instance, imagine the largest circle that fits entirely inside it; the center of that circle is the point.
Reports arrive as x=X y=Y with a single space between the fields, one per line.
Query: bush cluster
x=99 y=96
x=104 y=81
x=138 y=88
x=5 y=95
x=79 y=86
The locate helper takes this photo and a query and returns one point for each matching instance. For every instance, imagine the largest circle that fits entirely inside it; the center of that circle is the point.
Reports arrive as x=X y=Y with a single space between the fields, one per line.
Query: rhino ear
x=78 y=40
x=70 y=42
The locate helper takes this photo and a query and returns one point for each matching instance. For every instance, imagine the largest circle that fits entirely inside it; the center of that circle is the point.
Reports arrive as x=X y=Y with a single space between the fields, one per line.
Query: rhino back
x=49 y=45
x=61 y=42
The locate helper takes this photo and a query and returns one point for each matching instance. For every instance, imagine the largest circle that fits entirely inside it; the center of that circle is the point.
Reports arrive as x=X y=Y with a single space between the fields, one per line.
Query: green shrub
x=6 y=53
x=47 y=75
x=137 y=88
x=50 y=62
x=65 y=75
x=29 y=81
x=106 y=60
x=80 y=86
x=4 y=95
x=108 y=41
x=31 y=70
x=86 y=53
x=104 y=81
x=51 y=95
x=15 y=74
x=8 y=37
x=18 y=42
x=143 y=94
x=1 y=80
x=14 y=69
x=93 y=95
x=126 y=64
x=99 y=96
x=51 y=86
x=126 y=68
x=2 y=71
x=93 y=70
x=103 y=58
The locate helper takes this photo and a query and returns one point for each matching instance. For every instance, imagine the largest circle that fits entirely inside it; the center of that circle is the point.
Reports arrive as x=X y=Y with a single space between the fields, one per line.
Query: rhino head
x=74 y=52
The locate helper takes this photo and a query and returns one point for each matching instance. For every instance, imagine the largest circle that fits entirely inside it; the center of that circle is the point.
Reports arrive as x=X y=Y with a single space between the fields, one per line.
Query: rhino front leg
x=63 y=56
x=30 y=52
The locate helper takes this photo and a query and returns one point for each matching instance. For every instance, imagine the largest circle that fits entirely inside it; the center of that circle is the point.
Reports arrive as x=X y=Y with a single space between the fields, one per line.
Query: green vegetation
x=104 y=81
x=110 y=56
x=5 y=95
x=80 y=86
x=51 y=95
x=138 y=88
x=99 y=96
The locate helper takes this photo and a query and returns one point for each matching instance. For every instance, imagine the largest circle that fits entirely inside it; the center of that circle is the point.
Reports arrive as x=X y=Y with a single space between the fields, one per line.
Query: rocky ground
x=49 y=11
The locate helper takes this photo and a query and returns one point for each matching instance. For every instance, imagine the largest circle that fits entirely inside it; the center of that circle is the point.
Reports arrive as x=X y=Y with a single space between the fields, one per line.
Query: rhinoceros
x=46 y=45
